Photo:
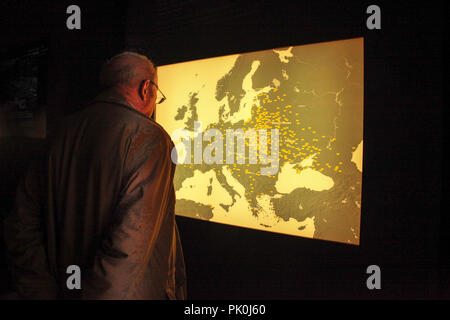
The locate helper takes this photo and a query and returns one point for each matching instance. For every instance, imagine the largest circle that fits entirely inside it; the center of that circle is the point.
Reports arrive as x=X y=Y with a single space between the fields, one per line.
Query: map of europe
x=303 y=105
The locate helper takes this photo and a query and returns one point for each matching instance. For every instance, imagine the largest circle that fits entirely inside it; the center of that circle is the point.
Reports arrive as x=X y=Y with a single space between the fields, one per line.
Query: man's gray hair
x=126 y=68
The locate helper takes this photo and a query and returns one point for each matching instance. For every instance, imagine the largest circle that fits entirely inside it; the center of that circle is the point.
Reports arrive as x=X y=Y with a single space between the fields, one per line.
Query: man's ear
x=144 y=89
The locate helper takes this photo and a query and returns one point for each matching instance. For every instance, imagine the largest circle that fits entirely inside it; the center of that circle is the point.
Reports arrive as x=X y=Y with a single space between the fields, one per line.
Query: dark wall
x=403 y=133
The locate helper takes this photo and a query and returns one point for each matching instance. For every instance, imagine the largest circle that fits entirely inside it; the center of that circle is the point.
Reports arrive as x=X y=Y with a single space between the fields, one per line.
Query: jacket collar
x=114 y=97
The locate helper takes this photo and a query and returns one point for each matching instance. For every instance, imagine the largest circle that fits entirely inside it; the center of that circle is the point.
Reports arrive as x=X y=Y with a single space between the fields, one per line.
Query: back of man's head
x=127 y=69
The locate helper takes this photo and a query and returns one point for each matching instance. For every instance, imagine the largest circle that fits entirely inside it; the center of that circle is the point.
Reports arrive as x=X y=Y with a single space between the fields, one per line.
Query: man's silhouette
x=102 y=199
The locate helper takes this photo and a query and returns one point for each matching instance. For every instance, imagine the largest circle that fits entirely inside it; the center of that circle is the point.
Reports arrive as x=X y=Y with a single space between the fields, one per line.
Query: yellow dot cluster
x=270 y=111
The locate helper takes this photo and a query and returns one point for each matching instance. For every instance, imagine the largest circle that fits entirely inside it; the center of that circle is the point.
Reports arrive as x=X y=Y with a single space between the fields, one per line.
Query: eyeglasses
x=161 y=100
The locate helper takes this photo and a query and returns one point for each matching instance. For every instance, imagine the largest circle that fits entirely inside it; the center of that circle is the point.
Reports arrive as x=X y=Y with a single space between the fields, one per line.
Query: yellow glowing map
x=304 y=105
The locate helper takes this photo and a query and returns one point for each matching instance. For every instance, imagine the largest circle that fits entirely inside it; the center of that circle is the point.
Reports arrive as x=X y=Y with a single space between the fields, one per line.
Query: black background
x=403 y=221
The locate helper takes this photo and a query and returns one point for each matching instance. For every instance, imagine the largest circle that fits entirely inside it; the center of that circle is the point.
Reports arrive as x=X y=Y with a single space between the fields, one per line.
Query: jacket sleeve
x=126 y=247
x=25 y=241
x=176 y=282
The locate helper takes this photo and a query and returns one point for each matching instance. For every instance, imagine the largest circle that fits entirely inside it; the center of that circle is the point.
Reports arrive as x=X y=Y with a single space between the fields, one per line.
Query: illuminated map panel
x=270 y=140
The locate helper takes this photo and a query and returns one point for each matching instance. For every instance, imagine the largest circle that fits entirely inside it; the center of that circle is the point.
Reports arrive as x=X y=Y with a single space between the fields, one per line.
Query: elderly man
x=99 y=208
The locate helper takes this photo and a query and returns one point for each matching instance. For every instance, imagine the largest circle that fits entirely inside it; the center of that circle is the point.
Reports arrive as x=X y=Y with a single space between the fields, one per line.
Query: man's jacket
x=101 y=200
